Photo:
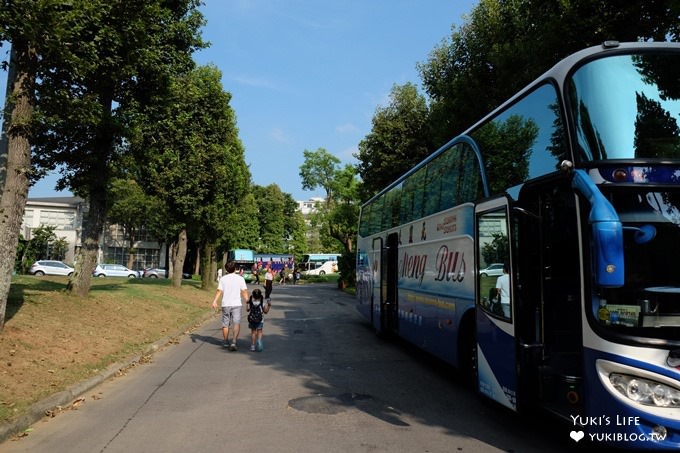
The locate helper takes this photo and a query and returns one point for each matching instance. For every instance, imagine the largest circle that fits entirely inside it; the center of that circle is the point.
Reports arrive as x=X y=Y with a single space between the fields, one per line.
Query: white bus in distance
x=329 y=267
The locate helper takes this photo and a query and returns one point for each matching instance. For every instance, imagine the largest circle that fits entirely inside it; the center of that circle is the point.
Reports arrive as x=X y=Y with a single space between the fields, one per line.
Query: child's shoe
x=252 y=348
x=260 y=346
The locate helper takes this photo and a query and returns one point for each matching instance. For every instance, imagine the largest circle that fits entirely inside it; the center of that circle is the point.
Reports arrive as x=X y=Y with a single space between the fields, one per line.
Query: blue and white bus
x=574 y=184
x=244 y=259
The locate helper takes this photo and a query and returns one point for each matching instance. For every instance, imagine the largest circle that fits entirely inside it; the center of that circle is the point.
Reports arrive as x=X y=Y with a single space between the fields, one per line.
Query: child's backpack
x=255 y=313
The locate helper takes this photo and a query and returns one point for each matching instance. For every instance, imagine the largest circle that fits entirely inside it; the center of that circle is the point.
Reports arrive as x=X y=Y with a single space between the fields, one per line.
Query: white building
x=66 y=214
x=309 y=206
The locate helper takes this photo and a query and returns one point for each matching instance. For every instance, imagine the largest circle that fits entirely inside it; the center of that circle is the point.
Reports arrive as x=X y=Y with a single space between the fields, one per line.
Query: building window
x=61 y=220
x=143 y=257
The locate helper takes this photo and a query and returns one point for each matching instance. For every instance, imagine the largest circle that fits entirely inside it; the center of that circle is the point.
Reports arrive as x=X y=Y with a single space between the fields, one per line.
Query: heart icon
x=576 y=435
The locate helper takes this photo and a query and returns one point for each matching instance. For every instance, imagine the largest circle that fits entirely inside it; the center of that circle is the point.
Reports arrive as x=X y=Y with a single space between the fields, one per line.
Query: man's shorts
x=231 y=315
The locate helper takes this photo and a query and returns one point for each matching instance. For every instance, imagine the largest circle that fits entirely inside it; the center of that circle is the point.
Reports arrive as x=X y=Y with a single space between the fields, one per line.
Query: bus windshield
x=626 y=107
x=648 y=305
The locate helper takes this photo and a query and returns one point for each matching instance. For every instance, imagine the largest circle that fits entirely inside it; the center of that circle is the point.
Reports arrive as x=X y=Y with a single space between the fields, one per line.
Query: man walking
x=233 y=290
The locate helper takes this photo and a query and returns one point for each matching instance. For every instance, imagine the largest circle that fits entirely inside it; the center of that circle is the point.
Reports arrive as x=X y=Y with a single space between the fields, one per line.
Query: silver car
x=154 y=272
x=114 y=270
x=494 y=270
x=50 y=267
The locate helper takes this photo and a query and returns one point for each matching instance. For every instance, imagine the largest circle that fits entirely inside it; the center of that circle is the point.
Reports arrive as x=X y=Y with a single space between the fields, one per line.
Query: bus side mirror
x=608 y=251
x=607 y=233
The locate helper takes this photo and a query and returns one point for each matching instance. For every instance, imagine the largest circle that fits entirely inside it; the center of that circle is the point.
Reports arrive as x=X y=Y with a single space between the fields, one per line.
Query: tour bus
x=313 y=261
x=244 y=259
x=329 y=267
x=574 y=185
x=275 y=261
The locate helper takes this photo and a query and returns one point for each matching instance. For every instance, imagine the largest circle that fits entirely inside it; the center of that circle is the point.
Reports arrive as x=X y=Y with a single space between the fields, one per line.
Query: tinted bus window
x=627 y=107
x=524 y=141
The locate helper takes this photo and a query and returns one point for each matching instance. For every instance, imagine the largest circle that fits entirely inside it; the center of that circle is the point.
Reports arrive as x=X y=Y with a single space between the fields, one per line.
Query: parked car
x=50 y=267
x=154 y=272
x=494 y=270
x=157 y=272
x=114 y=270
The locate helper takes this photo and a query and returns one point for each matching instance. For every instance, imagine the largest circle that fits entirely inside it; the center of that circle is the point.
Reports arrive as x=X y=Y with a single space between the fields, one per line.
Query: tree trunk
x=208 y=268
x=86 y=261
x=15 y=187
x=170 y=257
x=197 y=263
x=131 y=248
x=179 y=253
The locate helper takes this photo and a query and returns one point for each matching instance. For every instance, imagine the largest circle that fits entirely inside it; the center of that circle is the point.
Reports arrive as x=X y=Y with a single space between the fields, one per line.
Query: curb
x=65 y=398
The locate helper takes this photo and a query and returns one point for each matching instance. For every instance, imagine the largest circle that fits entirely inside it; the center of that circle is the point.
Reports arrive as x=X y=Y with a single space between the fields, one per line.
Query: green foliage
x=93 y=63
x=272 y=223
x=242 y=225
x=399 y=139
x=192 y=160
x=347 y=268
x=496 y=250
x=44 y=244
x=337 y=217
x=318 y=170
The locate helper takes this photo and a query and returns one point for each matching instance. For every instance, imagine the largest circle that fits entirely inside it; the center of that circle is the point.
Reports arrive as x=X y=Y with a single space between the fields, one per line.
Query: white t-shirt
x=231 y=286
x=503 y=283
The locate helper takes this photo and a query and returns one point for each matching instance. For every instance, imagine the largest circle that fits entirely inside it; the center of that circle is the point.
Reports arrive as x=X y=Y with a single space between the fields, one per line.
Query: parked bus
x=244 y=259
x=313 y=261
x=574 y=185
x=276 y=261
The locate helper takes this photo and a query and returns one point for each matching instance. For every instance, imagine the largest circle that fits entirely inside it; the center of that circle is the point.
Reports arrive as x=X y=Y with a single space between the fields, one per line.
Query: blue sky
x=309 y=74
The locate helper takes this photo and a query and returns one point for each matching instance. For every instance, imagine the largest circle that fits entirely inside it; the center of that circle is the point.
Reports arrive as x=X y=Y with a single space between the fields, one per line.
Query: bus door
x=548 y=288
x=496 y=344
x=389 y=305
x=377 y=286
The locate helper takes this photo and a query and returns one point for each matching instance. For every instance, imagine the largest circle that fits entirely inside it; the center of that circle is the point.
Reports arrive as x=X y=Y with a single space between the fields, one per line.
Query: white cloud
x=255 y=82
x=346 y=128
x=278 y=135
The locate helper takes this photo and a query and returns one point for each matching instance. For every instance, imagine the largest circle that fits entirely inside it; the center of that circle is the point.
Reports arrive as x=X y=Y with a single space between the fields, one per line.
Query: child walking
x=256 y=310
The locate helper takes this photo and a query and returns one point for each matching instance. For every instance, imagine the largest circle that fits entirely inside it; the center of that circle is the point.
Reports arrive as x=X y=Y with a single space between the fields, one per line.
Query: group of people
x=233 y=291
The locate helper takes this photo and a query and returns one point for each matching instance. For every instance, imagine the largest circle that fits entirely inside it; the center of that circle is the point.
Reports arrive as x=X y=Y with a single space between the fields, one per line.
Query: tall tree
x=112 y=54
x=399 y=138
x=194 y=162
x=318 y=170
x=272 y=208
x=294 y=230
x=338 y=215
x=34 y=53
x=15 y=161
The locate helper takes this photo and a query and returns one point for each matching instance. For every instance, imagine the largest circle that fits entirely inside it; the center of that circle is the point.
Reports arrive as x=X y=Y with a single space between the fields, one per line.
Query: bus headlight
x=645 y=391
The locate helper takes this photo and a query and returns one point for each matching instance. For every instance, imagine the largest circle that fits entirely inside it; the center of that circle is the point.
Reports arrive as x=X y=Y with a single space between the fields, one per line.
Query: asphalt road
x=324 y=383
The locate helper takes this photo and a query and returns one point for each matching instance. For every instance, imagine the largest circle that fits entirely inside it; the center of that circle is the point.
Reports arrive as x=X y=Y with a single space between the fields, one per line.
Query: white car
x=114 y=270
x=50 y=267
